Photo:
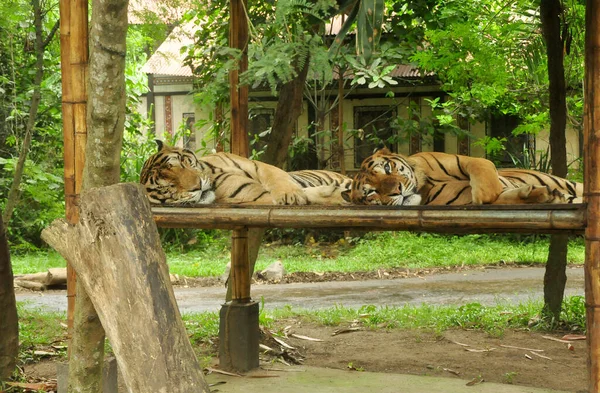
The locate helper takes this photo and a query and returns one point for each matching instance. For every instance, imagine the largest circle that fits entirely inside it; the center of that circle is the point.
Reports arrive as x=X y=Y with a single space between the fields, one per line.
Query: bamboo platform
x=441 y=219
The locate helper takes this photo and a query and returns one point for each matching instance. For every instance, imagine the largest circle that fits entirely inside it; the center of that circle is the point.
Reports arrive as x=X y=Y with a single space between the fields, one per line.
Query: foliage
x=43 y=173
x=490 y=58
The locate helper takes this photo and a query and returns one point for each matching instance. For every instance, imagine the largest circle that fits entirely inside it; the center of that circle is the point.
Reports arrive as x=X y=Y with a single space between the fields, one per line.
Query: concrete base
x=109 y=379
x=238 y=336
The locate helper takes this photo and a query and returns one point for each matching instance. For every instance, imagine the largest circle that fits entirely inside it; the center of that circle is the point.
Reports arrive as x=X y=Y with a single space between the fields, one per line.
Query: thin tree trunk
x=106 y=115
x=555 y=277
x=9 y=323
x=40 y=44
x=289 y=107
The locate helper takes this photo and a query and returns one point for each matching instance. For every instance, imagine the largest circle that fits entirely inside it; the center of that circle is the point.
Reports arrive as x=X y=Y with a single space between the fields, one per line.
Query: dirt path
x=484 y=285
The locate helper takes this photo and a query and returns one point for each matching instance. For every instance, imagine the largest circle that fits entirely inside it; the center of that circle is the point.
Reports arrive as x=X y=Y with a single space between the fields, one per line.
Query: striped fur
x=324 y=187
x=448 y=179
x=176 y=176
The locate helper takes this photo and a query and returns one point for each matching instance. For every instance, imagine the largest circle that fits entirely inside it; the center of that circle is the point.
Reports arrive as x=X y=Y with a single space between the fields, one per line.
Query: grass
x=39 y=329
x=373 y=251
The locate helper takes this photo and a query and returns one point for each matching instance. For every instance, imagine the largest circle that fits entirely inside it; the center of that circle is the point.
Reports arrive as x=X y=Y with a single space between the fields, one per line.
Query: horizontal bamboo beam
x=454 y=219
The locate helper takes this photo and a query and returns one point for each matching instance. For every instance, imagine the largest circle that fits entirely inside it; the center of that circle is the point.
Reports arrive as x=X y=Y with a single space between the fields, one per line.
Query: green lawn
x=380 y=250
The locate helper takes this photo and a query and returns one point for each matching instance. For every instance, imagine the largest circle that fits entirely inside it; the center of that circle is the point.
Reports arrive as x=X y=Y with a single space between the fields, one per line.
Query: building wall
x=173 y=102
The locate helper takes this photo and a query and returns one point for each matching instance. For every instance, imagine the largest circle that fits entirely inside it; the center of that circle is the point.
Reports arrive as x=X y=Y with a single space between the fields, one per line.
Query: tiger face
x=175 y=176
x=385 y=179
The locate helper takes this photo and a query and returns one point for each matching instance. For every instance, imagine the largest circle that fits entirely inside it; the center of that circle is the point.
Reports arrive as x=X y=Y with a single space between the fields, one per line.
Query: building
x=365 y=112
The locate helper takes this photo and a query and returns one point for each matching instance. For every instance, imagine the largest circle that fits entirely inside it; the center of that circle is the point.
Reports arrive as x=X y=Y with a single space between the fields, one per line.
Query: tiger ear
x=160 y=144
x=383 y=150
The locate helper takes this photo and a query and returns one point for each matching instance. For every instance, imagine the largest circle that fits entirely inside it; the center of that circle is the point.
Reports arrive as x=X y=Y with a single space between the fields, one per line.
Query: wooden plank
x=473 y=219
x=592 y=189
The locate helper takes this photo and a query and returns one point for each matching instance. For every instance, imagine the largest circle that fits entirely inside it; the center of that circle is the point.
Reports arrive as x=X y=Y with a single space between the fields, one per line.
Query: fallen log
x=115 y=250
x=56 y=276
x=33 y=285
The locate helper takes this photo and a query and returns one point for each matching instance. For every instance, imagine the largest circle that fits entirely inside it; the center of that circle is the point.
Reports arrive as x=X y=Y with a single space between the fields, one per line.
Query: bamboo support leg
x=592 y=189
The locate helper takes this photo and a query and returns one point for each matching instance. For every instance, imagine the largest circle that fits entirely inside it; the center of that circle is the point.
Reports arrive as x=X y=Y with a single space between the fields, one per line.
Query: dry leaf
x=570 y=347
x=573 y=337
x=528 y=357
x=301 y=337
x=542 y=356
x=345 y=330
x=479 y=350
x=475 y=381
x=556 y=339
x=44 y=386
x=451 y=371
x=283 y=343
x=525 y=349
x=45 y=353
x=216 y=370
x=461 y=344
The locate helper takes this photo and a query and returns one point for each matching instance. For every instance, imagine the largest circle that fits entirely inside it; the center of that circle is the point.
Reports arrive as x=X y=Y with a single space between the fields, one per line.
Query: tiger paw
x=295 y=197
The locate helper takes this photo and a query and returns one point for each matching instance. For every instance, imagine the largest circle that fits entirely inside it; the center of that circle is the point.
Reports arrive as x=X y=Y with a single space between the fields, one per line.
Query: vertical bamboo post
x=74 y=61
x=592 y=189
x=238 y=38
x=238 y=330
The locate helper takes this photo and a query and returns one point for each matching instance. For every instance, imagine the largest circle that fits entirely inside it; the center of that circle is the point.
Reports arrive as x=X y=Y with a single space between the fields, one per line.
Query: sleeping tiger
x=386 y=178
x=176 y=176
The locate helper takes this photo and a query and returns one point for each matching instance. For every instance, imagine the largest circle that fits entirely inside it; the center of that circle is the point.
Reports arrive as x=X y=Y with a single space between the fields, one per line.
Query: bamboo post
x=238 y=331
x=238 y=38
x=74 y=62
x=592 y=189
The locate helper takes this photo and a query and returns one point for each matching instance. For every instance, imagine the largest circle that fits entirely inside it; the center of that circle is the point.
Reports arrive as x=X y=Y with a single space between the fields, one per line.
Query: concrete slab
x=323 y=380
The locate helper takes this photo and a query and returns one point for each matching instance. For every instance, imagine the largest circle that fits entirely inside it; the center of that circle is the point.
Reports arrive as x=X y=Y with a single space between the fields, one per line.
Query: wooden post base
x=238 y=336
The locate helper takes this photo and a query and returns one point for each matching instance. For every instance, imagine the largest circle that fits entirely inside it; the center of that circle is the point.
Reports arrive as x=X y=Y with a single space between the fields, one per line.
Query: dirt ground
x=426 y=353
x=465 y=354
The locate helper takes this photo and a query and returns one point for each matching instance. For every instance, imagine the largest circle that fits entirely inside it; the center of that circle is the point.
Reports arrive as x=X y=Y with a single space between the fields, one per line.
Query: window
x=375 y=123
x=261 y=120
x=502 y=126
x=189 y=136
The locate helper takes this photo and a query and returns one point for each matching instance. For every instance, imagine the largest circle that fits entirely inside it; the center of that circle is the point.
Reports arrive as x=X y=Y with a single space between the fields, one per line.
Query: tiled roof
x=157 y=11
x=168 y=60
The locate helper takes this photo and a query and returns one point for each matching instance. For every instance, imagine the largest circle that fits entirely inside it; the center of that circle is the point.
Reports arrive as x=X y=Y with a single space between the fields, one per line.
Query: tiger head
x=385 y=178
x=175 y=176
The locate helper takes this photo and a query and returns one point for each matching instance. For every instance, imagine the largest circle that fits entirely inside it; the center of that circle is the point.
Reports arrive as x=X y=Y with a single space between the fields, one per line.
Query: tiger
x=387 y=178
x=324 y=187
x=176 y=176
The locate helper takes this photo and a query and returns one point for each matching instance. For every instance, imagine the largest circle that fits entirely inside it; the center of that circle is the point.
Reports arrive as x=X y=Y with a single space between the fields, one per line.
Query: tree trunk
x=105 y=119
x=40 y=44
x=289 y=107
x=129 y=285
x=555 y=277
x=9 y=323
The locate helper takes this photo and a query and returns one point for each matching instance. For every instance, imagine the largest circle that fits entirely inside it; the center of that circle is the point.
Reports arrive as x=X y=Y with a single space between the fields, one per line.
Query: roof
x=158 y=11
x=168 y=59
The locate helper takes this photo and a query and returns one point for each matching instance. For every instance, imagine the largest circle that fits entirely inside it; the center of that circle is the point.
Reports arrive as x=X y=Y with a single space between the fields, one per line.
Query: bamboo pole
x=592 y=189
x=455 y=219
x=74 y=61
x=238 y=38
